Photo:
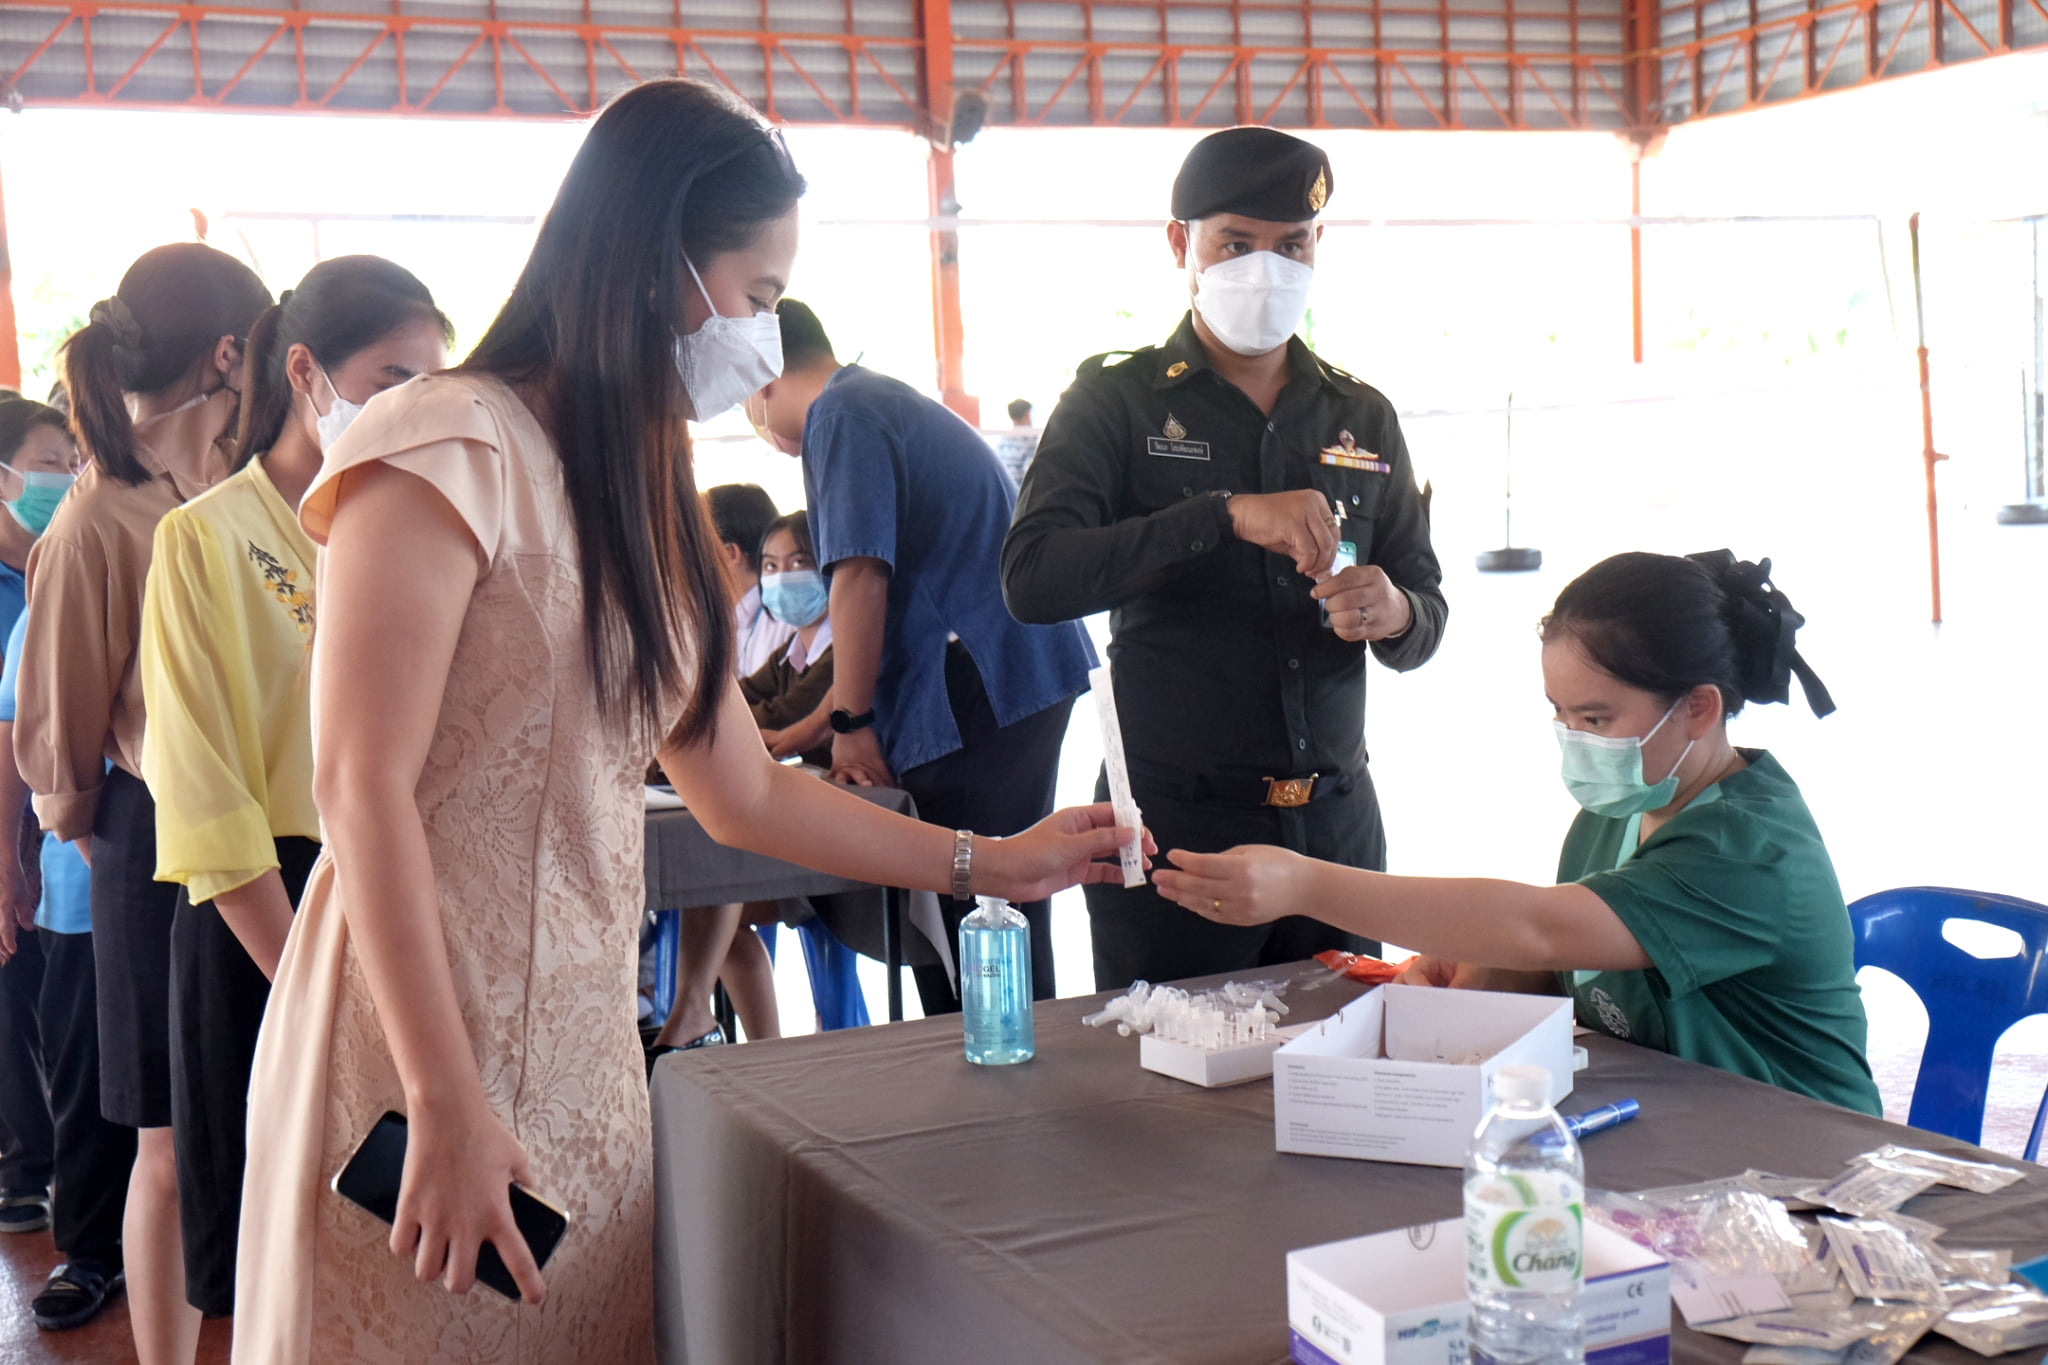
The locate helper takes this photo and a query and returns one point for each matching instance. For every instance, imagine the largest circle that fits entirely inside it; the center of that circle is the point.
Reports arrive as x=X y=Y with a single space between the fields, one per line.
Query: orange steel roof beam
x=1654 y=63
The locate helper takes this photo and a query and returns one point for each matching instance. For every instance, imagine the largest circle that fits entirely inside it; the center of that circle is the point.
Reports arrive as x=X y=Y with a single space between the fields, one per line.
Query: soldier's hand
x=1364 y=603
x=1299 y=525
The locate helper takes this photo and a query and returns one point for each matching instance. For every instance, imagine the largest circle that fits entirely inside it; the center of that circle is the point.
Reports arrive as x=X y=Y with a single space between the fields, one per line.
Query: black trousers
x=1139 y=935
x=131 y=928
x=25 y=1137
x=217 y=998
x=998 y=782
x=93 y=1155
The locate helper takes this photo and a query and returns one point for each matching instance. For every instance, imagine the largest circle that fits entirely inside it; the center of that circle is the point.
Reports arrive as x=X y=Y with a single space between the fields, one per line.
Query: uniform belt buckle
x=1288 y=792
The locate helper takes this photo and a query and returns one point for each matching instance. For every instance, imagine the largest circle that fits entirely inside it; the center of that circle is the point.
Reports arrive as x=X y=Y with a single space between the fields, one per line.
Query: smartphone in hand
x=371 y=1178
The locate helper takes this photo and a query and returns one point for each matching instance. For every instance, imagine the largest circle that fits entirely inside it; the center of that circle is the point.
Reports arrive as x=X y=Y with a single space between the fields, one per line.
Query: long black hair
x=341 y=307
x=670 y=167
x=173 y=307
x=1666 y=624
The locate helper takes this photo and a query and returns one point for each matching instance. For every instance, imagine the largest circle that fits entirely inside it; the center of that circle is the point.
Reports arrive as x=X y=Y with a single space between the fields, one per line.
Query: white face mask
x=727 y=360
x=1253 y=302
x=330 y=424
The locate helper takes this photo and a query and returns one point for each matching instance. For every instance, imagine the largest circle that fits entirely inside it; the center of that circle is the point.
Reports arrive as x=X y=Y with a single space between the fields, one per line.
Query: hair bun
x=1765 y=627
x=285 y=297
x=114 y=314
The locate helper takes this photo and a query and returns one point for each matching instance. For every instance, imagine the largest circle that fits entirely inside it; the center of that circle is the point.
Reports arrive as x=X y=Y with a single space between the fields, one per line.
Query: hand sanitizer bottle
x=995 y=985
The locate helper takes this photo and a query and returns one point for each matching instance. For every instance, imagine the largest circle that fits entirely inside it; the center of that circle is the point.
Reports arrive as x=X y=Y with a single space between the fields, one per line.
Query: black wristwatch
x=844 y=722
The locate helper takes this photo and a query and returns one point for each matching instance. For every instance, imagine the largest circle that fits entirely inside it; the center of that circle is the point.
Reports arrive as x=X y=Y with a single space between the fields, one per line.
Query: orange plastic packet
x=1359 y=967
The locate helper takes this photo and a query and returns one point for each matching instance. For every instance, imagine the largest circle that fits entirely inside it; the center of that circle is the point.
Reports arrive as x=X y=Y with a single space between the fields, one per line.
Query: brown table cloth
x=871 y=1196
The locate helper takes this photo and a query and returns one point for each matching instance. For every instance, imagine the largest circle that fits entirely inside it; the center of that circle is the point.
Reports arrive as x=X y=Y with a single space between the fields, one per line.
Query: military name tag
x=1177 y=450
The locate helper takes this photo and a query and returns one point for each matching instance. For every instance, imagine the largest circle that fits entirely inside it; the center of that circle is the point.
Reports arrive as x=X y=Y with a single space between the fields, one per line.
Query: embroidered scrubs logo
x=1611 y=1017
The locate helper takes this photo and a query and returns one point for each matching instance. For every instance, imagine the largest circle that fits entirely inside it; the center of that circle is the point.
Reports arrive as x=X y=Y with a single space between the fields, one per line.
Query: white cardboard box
x=1398 y=1298
x=1214 y=1066
x=1367 y=1082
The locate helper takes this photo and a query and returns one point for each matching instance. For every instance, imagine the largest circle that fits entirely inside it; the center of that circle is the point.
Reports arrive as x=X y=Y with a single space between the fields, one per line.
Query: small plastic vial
x=995 y=985
x=1524 y=1205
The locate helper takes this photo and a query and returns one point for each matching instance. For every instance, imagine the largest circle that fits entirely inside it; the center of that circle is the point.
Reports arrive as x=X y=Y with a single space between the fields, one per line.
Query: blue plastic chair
x=835 y=983
x=1970 y=1001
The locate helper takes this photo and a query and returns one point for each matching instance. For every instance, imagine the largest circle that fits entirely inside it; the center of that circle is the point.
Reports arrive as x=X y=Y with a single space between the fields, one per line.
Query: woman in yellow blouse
x=227 y=632
x=153 y=392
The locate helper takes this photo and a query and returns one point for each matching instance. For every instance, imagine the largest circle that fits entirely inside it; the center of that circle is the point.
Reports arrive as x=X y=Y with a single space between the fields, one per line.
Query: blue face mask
x=41 y=491
x=797 y=597
x=1604 y=774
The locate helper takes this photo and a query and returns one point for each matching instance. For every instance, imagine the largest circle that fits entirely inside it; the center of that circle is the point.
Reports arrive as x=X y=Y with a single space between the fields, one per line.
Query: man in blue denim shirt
x=936 y=688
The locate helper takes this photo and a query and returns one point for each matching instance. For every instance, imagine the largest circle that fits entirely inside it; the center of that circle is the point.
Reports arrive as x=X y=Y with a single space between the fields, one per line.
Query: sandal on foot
x=76 y=1293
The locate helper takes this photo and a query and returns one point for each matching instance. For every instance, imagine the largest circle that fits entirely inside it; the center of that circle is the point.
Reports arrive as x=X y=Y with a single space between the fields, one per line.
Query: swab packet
x=1792 y=1355
x=1979 y=1177
x=1881 y=1262
x=1998 y=1320
x=1723 y=1228
x=1789 y=1190
x=1814 y=1331
x=1870 y=1186
x=1901 y=1327
x=1990 y=1269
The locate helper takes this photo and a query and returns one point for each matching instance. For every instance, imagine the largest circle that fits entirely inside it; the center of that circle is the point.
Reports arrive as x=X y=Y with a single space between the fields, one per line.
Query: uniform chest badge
x=1345 y=454
x=1173 y=443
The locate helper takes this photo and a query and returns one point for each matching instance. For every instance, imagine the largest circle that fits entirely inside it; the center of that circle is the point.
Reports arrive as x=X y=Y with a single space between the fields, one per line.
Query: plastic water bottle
x=995 y=985
x=1524 y=1208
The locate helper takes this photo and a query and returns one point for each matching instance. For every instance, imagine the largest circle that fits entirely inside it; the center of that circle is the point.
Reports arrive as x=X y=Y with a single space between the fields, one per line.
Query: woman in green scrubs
x=1696 y=910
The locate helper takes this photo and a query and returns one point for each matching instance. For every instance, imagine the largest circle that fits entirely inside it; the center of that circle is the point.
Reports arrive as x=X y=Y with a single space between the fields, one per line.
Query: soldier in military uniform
x=1208 y=493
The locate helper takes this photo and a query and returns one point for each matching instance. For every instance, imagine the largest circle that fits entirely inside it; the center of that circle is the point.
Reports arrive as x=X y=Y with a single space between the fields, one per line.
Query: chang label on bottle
x=1517 y=1239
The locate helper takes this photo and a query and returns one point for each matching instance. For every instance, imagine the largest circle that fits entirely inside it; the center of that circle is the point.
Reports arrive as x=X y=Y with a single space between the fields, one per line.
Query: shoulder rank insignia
x=1346 y=455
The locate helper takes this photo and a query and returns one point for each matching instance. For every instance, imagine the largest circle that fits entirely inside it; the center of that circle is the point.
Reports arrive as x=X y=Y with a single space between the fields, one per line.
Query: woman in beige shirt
x=519 y=605
x=152 y=385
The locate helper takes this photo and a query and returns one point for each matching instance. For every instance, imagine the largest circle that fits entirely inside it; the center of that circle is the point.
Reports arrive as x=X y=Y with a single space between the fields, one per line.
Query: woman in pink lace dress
x=520 y=604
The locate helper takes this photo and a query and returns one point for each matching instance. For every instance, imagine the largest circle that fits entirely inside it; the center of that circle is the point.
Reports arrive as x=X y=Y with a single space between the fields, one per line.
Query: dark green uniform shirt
x=1223 y=666
x=1735 y=902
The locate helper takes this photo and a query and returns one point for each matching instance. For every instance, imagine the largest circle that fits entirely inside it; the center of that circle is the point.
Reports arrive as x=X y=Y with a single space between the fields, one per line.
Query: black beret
x=1257 y=172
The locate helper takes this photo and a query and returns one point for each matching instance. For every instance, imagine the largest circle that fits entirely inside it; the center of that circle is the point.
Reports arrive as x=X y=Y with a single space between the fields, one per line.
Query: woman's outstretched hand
x=1067 y=848
x=1250 y=884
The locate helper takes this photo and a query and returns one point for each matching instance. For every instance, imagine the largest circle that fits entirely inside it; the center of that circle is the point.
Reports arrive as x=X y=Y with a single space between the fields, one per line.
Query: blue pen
x=1606 y=1116
x=1581 y=1126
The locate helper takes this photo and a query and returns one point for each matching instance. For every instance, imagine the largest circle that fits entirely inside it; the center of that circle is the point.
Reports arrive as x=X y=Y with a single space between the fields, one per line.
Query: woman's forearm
x=1476 y=919
x=259 y=913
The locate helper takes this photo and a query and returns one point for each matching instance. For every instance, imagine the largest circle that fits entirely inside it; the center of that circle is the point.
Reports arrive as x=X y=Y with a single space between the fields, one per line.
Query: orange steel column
x=1928 y=455
x=1635 y=246
x=949 y=333
x=10 y=350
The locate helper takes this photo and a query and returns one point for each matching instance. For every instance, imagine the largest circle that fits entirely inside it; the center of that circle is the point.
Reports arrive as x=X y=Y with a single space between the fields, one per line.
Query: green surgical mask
x=1604 y=774
x=41 y=491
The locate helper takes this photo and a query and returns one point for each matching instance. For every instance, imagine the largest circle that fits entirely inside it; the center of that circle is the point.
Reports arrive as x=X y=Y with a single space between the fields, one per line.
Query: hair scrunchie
x=113 y=313
x=1765 y=626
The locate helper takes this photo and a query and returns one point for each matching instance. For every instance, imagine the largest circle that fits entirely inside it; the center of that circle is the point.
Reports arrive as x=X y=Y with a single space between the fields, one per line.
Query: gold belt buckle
x=1290 y=791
